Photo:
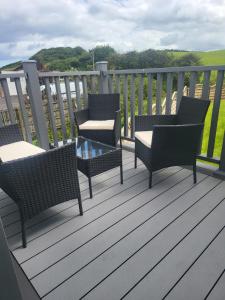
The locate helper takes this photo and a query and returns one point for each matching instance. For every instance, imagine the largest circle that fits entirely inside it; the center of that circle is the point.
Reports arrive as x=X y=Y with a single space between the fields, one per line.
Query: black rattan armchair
x=171 y=140
x=101 y=121
x=10 y=134
x=40 y=181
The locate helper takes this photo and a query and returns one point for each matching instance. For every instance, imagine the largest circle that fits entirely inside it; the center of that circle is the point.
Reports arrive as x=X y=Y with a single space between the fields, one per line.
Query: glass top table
x=94 y=158
x=89 y=149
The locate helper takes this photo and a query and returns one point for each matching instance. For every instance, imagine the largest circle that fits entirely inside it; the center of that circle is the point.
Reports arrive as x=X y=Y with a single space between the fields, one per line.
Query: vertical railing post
x=8 y=281
x=221 y=171
x=215 y=113
x=102 y=66
x=34 y=92
x=222 y=158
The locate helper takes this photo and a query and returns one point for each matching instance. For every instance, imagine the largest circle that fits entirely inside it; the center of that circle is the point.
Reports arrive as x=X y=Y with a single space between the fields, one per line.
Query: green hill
x=12 y=67
x=60 y=58
x=77 y=58
x=207 y=58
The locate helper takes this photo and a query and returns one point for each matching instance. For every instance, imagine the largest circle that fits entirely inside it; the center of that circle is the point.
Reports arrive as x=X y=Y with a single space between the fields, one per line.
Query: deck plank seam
x=214 y=285
x=108 y=229
x=152 y=239
x=123 y=238
x=16 y=259
x=213 y=239
x=147 y=273
x=93 y=219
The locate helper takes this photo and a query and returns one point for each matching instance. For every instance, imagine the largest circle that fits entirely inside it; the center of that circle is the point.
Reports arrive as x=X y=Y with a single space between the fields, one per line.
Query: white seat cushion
x=97 y=125
x=145 y=137
x=18 y=150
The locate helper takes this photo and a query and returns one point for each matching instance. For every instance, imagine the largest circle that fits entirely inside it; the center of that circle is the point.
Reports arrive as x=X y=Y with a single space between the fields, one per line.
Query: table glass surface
x=88 y=149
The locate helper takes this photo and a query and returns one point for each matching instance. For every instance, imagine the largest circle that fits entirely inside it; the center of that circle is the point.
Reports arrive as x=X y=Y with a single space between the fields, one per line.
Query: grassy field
x=211 y=58
x=208 y=58
x=220 y=130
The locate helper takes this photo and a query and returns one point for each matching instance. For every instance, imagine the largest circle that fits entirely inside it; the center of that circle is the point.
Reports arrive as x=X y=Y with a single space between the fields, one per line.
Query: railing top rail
x=12 y=75
x=168 y=70
x=120 y=72
x=68 y=73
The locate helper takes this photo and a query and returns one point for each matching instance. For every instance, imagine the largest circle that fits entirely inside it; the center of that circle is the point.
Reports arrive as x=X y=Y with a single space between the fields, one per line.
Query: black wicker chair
x=10 y=134
x=101 y=121
x=40 y=181
x=171 y=140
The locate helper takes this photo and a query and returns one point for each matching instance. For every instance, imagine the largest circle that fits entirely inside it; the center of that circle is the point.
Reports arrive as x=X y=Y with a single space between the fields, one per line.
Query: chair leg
x=121 y=146
x=90 y=187
x=150 y=179
x=23 y=230
x=80 y=205
x=135 y=161
x=194 y=172
x=121 y=173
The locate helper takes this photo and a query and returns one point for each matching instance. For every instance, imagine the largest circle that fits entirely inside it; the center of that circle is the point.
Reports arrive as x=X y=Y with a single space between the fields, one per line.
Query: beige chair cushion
x=97 y=125
x=145 y=137
x=18 y=150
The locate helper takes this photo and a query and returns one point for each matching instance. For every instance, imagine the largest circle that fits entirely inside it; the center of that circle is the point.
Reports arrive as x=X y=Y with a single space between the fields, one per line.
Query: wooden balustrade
x=143 y=91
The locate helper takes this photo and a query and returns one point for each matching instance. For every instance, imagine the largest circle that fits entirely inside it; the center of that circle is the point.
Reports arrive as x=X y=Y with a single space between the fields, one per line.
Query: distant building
x=63 y=89
x=11 y=84
x=13 y=91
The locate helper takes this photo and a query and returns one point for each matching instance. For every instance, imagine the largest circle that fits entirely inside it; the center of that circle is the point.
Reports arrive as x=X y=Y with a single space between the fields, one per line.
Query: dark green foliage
x=139 y=60
x=154 y=59
x=123 y=61
x=102 y=53
x=60 y=58
x=67 y=58
x=45 y=56
x=189 y=59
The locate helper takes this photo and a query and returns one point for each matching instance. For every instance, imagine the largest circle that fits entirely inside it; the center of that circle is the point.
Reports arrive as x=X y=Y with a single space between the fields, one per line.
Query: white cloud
x=28 y=26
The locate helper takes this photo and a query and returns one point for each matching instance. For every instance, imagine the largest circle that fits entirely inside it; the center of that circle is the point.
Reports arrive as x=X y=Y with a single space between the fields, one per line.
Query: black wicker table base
x=94 y=158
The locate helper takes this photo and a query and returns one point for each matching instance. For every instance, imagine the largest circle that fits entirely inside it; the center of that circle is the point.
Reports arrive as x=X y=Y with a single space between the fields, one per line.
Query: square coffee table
x=94 y=158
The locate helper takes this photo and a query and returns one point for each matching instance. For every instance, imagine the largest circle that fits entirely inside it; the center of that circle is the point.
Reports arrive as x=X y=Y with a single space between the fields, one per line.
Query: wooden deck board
x=117 y=224
x=218 y=290
x=191 y=234
x=205 y=271
x=110 y=261
x=132 y=242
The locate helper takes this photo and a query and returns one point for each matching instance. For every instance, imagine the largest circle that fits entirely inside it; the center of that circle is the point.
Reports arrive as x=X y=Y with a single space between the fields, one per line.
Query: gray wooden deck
x=132 y=242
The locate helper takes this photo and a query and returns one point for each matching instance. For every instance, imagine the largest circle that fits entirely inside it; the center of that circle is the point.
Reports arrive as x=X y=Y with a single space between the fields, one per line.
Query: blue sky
x=27 y=26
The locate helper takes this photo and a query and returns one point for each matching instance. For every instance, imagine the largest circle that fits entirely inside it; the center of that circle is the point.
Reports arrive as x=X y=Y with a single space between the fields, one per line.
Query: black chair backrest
x=192 y=110
x=103 y=106
x=175 y=145
x=10 y=134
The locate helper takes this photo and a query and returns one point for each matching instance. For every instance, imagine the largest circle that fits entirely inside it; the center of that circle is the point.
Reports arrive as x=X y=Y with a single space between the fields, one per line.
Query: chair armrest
x=10 y=134
x=117 y=119
x=81 y=116
x=145 y=123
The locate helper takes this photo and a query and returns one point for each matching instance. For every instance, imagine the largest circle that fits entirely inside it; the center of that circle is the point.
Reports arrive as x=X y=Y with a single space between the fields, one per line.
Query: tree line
x=67 y=58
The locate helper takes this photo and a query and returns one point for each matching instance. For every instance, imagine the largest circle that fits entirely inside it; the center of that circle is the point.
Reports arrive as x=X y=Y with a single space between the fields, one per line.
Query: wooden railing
x=10 y=117
x=89 y=82
x=143 y=91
